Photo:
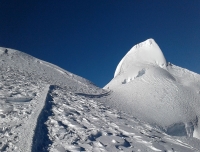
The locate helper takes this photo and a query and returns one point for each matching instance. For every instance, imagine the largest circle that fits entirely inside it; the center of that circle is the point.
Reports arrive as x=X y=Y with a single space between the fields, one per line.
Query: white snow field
x=149 y=105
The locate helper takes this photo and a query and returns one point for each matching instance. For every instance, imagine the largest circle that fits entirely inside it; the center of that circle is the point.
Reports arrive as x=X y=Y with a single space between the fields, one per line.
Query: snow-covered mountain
x=149 y=105
x=159 y=93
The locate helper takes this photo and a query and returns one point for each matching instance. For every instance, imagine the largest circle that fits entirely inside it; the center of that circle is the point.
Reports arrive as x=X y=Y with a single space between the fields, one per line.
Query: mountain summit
x=166 y=96
x=147 y=52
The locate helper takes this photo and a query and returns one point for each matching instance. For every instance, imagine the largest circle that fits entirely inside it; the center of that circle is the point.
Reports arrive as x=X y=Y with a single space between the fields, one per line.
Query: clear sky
x=90 y=37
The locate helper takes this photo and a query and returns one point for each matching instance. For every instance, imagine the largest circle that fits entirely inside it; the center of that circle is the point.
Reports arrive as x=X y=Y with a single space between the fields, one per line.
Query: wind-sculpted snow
x=79 y=123
x=163 y=95
x=47 y=72
x=20 y=96
x=147 y=52
x=24 y=82
x=148 y=106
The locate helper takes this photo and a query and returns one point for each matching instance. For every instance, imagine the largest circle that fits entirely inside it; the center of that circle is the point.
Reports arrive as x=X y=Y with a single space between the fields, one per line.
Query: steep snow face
x=147 y=52
x=164 y=95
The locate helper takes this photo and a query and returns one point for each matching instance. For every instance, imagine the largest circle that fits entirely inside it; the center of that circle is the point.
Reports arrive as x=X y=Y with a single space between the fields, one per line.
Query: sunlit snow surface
x=162 y=94
x=45 y=108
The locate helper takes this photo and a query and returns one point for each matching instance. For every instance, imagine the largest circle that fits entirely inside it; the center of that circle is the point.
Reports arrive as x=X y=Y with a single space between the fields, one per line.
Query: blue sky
x=89 y=37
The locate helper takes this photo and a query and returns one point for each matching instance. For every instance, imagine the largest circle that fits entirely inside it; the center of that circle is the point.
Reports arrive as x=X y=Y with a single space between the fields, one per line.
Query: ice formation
x=147 y=52
x=163 y=95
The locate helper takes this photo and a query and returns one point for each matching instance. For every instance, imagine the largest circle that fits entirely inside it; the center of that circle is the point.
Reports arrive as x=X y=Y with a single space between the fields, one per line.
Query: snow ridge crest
x=147 y=52
x=148 y=42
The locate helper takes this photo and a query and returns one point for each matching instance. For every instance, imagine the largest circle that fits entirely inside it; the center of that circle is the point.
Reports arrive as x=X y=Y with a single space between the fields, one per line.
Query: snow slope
x=164 y=95
x=45 y=108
